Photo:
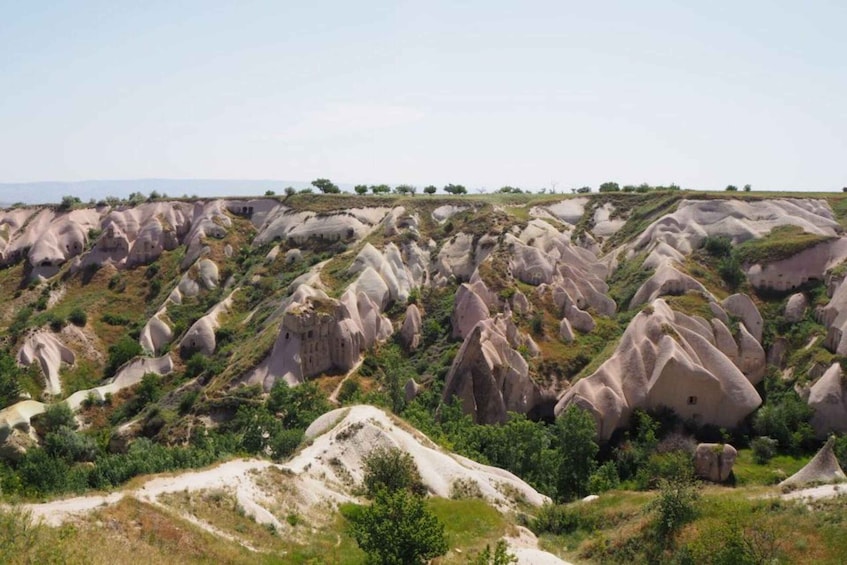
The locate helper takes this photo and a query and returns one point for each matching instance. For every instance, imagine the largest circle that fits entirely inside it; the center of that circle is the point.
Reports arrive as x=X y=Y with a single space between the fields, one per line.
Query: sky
x=482 y=93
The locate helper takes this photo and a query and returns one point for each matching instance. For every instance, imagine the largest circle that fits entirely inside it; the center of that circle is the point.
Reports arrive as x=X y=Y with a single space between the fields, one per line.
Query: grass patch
x=780 y=243
x=748 y=472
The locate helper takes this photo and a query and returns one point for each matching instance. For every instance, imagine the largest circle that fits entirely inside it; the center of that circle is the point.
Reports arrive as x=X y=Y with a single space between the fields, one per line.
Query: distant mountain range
x=53 y=191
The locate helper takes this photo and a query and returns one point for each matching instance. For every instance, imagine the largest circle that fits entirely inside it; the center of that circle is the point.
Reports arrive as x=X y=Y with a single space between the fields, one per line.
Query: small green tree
x=398 y=529
x=500 y=556
x=361 y=189
x=388 y=468
x=609 y=187
x=270 y=193
x=380 y=189
x=326 y=186
x=430 y=189
x=731 y=188
x=575 y=430
x=455 y=189
x=10 y=390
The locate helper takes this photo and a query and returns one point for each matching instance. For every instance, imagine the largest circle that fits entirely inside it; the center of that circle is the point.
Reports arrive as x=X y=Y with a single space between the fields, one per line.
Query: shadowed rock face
x=665 y=359
x=489 y=376
x=828 y=399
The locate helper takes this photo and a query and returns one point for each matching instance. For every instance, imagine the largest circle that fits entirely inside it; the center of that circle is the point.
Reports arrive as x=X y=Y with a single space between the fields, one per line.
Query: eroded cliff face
x=609 y=303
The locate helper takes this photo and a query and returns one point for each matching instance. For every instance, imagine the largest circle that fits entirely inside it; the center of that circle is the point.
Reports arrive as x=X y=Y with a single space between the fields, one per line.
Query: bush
x=124 y=350
x=70 y=446
x=673 y=466
x=54 y=417
x=673 y=508
x=391 y=469
x=501 y=555
x=604 y=478
x=397 y=529
x=764 y=448
x=78 y=317
x=718 y=246
x=560 y=519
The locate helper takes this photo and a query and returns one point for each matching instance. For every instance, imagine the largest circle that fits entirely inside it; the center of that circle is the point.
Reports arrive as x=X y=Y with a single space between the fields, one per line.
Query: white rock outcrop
x=669 y=359
x=44 y=348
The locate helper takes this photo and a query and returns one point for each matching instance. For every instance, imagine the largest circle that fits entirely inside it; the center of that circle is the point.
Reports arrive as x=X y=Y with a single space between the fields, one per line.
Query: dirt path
x=227 y=475
x=334 y=396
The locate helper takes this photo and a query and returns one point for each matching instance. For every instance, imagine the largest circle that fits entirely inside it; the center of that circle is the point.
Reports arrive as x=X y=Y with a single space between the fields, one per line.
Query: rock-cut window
x=692 y=400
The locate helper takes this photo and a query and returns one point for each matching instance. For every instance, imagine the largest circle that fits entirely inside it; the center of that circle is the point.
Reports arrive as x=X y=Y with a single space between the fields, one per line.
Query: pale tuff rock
x=792 y=272
x=605 y=224
x=579 y=319
x=129 y=375
x=469 y=309
x=828 y=399
x=666 y=280
x=389 y=275
x=823 y=468
x=714 y=461
x=346 y=436
x=685 y=229
x=565 y=331
x=665 y=358
x=410 y=333
x=489 y=376
x=155 y=335
x=411 y=390
x=834 y=317
x=795 y=308
x=718 y=312
x=456 y=258
x=520 y=304
x=44 y=348
x=752 y=361
x=18 y=417
x=568 y=211
x=200 y=337
x=444 y=213
x=742 y=306
x=299 y=227
x=319 y=333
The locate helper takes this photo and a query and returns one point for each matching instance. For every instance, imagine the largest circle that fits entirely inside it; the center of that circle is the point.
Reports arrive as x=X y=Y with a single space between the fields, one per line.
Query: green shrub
x=675 y=466
x=604 y=478
x=675 y=506
x=66 y=444
x=391 y=469
x=764 y=448
x=398 y=529
x=560 y=519
x=78 y=317
x=575 y=431
x=121 y=352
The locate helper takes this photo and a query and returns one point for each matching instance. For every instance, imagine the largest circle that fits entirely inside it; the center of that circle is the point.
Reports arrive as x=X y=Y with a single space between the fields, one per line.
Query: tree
x=406 y=189
x=380 y=189
x=583 y=190
x=361 y=189
x=10 y=390
x=747 y=188
x=290 y=191
x=296 y=407
x=69 y=202
x=731 y=188
x=398 y=529
x=270 y=193
x=510 y=190
x=609 y=187
x=575 y=431
x=455 y=189
x=501 y=555
x=391 y=469
x=431 y=189
x=326 y=186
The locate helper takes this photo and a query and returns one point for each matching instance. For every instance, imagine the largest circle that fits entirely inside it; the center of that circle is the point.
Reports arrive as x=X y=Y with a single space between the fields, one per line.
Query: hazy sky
x=701 y=93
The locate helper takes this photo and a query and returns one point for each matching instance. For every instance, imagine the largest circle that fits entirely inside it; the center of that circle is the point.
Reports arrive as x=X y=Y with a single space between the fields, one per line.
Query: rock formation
x=823 y=468
x=670 y=359
x=713 y=461
x=44 y=348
